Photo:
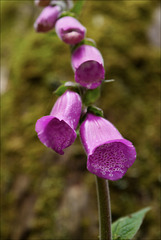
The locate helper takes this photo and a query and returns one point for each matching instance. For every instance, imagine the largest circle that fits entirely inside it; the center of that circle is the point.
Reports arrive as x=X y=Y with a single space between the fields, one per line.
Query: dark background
x=51 y=197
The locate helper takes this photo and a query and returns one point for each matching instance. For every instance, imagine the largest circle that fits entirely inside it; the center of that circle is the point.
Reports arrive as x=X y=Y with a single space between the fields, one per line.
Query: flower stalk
x=104 y=209
x=109 y=155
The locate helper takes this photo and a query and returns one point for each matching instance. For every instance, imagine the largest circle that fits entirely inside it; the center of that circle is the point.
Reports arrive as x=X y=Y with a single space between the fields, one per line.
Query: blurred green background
x=50 y=197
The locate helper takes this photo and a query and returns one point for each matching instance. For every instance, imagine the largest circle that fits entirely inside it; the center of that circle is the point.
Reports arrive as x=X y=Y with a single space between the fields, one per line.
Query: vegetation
x=47 y=196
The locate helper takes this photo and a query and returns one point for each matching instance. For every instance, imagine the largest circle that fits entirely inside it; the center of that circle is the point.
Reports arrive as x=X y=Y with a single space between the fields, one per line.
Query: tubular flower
x=57 y=130
x=70 y=30
x=47 y=19
x=42 y=3
x=109 y=154
x=87 y=62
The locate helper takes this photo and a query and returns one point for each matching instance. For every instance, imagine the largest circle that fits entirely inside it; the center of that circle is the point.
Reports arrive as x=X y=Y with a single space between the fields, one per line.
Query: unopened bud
x=47 y=19
x=70 y=30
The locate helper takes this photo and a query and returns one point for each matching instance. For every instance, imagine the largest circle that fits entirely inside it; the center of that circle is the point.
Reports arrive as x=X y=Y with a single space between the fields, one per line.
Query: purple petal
x=70 y=30
x=55 y=133
x=95 y=131
x=47 y=19
x=87 y=63
x=68 y=107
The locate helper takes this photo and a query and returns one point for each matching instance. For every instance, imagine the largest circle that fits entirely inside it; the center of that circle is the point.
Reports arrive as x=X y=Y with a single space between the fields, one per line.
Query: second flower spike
x=57 y=130
x=70 y=30
x=87 y=63
x=109 y=154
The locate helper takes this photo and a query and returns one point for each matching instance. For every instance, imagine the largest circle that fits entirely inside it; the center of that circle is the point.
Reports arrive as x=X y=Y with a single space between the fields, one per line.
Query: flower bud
x=57 y=130
x=70 y=30
x=42 y=3
x=87 y=62
x=109 y=154
x=47 y=19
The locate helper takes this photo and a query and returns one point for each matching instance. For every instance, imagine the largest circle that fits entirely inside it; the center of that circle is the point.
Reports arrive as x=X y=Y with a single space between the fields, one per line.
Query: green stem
x=104 y=208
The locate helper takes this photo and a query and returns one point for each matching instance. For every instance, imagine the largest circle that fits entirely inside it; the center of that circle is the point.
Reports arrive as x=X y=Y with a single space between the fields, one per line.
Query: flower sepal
x=91 y=96
x=67 y=13
x=66 y=85
x=108 y=80
x=95 y=110
x=86 y=41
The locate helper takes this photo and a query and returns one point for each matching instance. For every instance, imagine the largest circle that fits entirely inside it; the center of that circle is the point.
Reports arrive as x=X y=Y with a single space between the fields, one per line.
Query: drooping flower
x=47 y=19
x=109 y=154
x=57 y=130
x=42 y=3
x=87 y=62
x=70 y=30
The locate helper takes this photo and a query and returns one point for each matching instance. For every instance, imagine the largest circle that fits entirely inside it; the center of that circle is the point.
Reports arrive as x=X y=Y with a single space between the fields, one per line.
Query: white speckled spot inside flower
x=111 y=160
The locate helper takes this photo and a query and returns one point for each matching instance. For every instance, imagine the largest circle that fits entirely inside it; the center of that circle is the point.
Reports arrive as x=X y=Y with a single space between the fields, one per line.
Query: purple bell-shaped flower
x=109 y=154
x=70 y=30
x=88 y=65
x=57 y=130
x=47 y=18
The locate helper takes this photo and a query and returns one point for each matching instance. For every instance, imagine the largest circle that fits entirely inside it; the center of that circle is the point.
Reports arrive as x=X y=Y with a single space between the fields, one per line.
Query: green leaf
x=91 y=96
x=95 y=110
x=127 y=227
x=78 y=7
